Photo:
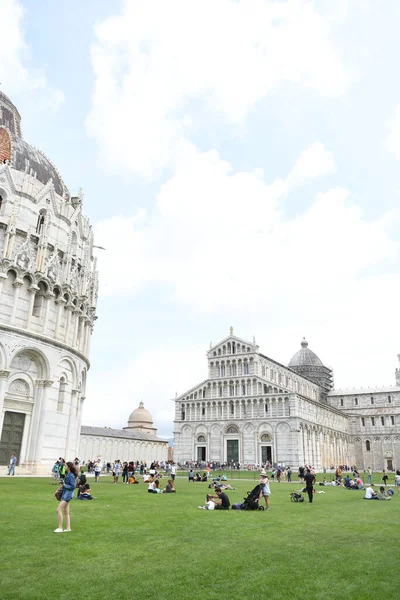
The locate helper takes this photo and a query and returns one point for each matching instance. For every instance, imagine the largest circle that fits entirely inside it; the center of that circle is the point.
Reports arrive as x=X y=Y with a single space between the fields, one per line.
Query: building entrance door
x=11 y=436
x=201 y=453
x=390 y=464
x=266 y=454
x=232 y=451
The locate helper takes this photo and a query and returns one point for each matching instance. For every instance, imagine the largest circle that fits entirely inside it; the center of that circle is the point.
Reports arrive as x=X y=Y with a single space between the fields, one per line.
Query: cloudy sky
x=240 y=164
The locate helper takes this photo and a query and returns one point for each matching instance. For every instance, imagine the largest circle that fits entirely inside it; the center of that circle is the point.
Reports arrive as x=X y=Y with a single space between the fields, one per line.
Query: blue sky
x=240 y=164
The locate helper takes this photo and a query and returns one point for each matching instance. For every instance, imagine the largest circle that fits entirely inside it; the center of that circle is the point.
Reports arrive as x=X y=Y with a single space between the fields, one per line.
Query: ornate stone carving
x=18 y=405
x=4 y=374
x=18 y=386
x=43 y=383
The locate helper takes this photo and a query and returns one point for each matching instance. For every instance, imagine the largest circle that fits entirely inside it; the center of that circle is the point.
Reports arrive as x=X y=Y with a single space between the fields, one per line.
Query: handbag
x=58 y=493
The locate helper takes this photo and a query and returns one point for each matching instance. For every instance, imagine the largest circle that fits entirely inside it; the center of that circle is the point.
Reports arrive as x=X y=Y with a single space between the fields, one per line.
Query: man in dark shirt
x=310 y=480
x=222 y=502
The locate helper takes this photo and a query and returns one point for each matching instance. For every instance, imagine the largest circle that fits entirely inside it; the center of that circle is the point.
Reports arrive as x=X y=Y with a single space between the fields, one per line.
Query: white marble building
x=137 y=441
x=48 y=294
x=252 y=409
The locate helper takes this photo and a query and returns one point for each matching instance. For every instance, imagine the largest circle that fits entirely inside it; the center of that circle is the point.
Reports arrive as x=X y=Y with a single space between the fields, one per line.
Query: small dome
x=305 y=357
x=140 y=415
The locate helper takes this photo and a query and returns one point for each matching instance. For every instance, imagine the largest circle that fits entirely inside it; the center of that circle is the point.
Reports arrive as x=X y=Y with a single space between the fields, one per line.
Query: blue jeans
x=11 y=470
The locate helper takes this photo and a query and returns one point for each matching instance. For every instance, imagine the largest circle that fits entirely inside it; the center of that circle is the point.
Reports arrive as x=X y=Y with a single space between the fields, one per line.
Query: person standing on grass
x=11 y=467
x=117 y=470
x=369 y=475
x=173 y=471
x=310 y=480
x=265 y=489
x=384 y=477
x=97 y=471
x=397 y=480
x=66 y=497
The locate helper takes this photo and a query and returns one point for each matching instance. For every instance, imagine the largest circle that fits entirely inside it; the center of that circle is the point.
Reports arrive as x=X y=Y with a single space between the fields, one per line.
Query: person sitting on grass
x=151 y=485
x=209 y=505
x=370 y=493
x=204 y=477
x=197 y=477
x=382 y=495
x=85 y=493
x=170 y=488
x=221 y=500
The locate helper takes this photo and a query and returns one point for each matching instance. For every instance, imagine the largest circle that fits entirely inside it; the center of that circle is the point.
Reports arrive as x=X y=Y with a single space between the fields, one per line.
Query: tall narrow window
x=220 y=391
x=231 y=409
x=392 y=420
x=203 y=411
x=390 y=399
x=382 y=420
x=363 y=421
x=61 y=394
x=245 y=368
x=372 y=400
x=368 y=446
x=243 y=389
x=183 y=415
x=341 y=401
x=40 y=223
x=355 y=401
x=372 y=421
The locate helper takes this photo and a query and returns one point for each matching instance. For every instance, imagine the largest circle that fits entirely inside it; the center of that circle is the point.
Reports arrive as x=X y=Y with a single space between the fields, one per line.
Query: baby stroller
x=251 y=502
x=296 y=497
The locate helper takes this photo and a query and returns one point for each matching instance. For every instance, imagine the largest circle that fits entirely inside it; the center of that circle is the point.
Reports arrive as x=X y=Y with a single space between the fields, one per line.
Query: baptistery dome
x=305 y=356
x=21 y=155
x=306 y=363
x=141 y=420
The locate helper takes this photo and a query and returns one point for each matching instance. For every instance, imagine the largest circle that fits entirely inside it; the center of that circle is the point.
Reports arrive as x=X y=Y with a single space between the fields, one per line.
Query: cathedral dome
x=140 y=415
x=305 y=357
x=22 y=156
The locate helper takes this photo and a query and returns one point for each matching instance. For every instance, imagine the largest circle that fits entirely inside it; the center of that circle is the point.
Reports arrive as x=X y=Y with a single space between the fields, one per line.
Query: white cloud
x=216 y=229
x=16 y=74
x=313 y=163
x=393 y=139
x=135 y=381
x=161 y=67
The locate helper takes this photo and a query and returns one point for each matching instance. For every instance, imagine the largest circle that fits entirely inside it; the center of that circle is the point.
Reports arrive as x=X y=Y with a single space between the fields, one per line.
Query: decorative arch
x=67 y=363
x=19 y=387
x=38 y=357
x=232 y=429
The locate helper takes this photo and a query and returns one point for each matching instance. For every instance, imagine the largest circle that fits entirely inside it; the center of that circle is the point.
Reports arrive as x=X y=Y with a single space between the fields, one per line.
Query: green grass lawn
x=131 y=544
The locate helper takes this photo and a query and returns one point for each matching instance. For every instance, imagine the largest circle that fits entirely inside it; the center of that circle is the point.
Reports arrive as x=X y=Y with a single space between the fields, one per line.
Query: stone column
x=17 y=284
x=38 y=425
x=69 y=445
x=318 y=461
x=48 y=296
x=76 y=312
x=3 y=383
x=69 y=307
x=33 y=289
x=3 y=277
x=60 y=302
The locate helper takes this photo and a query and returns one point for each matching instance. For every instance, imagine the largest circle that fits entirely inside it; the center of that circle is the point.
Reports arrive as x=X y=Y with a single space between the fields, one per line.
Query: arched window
x=1 y=201
x=232 y=429
x=368 y=446
x=61 y=394
x=266 y=437
x=245 y=368
x=201 y=438
x=40 y=221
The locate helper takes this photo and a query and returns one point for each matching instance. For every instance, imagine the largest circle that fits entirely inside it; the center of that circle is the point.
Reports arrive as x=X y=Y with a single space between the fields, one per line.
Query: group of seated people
x=154 y=486
x=371 y=494
x=353 y=484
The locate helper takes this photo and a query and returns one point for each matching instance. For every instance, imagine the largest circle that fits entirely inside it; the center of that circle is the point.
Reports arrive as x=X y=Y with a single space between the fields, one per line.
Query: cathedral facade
x=253 y=410
x=48 y=294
